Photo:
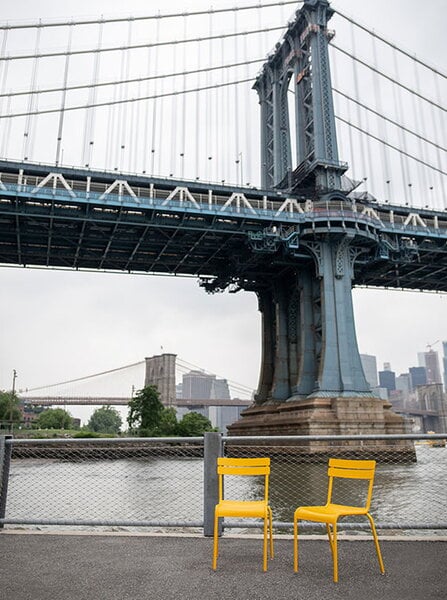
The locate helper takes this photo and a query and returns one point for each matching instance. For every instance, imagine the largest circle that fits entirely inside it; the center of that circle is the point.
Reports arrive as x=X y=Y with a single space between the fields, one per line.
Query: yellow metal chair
x=244 y=508
x=330 y=513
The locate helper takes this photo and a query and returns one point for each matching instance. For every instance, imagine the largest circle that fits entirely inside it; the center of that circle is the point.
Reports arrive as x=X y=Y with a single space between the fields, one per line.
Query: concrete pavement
x=165 y=567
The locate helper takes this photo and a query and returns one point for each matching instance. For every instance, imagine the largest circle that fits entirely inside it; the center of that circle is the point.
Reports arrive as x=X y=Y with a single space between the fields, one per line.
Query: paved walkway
x=120 y=567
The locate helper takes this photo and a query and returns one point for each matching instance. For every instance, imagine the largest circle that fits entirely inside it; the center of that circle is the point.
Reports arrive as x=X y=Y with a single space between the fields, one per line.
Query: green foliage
x=54 y=418
x=168 y=422
x=105 y=420
x=149 y=418
x=89 y=434
x=194 y=424
x=9 y=407
x=145 y=411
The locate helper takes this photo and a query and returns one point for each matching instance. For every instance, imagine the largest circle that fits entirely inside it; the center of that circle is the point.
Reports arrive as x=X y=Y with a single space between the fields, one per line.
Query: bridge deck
x=75 y=219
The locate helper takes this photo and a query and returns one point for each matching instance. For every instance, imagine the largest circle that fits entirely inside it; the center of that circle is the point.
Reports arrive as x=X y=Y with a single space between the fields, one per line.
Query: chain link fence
x=171 y=482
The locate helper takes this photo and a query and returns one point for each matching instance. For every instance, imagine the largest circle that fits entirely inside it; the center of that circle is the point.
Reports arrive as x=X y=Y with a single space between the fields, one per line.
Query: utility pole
x=11 y=403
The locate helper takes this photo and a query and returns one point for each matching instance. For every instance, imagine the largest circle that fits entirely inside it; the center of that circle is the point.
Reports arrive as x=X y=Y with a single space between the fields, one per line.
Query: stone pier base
x=329 y=416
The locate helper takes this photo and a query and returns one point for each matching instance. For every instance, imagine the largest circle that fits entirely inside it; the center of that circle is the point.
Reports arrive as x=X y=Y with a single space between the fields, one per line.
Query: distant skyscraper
x=418 y=376
x=369 y=364
x=197 y=385
x=387 y=378
x=403 y=384
x=432 y=367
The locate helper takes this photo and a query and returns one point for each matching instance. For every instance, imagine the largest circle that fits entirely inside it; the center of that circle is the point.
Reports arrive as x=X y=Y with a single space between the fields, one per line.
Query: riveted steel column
x=340 y=368
x=266 y=308
x=212 y=450
x=281 y=388
x=308 y=351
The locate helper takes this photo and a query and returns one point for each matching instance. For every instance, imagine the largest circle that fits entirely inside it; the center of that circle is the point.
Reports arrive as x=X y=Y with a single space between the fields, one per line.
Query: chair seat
x=328 y=513
x=237 y=508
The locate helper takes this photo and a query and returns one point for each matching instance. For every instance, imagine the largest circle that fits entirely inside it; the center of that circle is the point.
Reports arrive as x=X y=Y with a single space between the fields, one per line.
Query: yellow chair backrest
x=351 y=469
x=243 y=466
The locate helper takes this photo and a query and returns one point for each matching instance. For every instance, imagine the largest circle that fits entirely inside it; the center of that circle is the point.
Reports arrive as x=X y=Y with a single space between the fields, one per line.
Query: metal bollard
x=5 y=462
x=212 y=450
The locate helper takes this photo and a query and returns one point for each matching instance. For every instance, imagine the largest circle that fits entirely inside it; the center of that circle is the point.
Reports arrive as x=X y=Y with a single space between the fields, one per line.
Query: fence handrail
x=240 y=438
x=131 y=440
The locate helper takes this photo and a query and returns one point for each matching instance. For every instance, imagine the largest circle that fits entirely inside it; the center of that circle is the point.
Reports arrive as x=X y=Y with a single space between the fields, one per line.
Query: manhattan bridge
x=164 y=135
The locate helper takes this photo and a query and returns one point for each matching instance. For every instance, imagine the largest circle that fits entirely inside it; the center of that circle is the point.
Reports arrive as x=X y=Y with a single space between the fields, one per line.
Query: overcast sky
x=61 y=325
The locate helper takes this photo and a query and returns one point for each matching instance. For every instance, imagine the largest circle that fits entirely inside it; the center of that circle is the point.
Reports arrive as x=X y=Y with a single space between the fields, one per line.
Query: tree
x=168 y=425
x=194 y=424
x=145 y=411
x=106 y=420
x=54 y=418
x=9 y=407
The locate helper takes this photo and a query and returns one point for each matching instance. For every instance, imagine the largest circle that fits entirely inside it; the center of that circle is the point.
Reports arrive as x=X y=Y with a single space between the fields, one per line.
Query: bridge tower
x=311 y=378
x=160 y=372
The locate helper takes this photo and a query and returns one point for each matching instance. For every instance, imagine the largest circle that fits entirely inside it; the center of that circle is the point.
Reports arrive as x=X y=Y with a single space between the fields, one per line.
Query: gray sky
x=61 y=325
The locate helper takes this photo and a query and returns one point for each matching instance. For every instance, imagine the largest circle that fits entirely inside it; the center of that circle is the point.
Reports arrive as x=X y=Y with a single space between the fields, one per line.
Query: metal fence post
x=5 y=461
x=212 y=449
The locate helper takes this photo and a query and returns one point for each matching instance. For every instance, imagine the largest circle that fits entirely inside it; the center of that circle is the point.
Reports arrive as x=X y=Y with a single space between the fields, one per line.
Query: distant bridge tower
x=160 y=371
x=311 y=379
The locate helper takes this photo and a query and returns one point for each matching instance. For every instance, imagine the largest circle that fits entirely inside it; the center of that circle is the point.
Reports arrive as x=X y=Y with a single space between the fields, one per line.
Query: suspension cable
x=389 y=78
x=42 y=387
x=385 y=41
x=138 y=46
x=402 y=152
x=46 y=111
x=388 y=120
x=148 y=17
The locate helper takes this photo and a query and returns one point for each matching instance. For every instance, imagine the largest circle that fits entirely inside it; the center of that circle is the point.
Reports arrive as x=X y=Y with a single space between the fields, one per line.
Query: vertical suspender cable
x=123 y=114
x=248 y=123
x=173 y=161
x=183 y=140
x=400 y=114
x=237 y=153
x=198 y=128
x=63 y=99
x=4 y=75
x=89 y=125
x=226 y=123
x=381 y=124
x=442 y=135
x=358 y=110
x=31 y=100
x=208 y=106
x=155 y=103
x=420 y=129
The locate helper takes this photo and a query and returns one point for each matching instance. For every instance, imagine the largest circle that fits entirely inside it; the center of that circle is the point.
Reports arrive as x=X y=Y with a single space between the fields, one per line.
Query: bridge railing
x=171 y=482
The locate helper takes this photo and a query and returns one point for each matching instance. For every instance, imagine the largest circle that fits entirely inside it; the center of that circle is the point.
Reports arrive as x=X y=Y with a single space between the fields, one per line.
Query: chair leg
x=216 y=541
x=376 y=543
x=271 y=531
x=332 y=535
x=264 y=557
x=295 y=545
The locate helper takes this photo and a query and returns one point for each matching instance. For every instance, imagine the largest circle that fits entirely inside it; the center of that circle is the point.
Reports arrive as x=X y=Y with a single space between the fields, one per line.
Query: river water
x=171 y=490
